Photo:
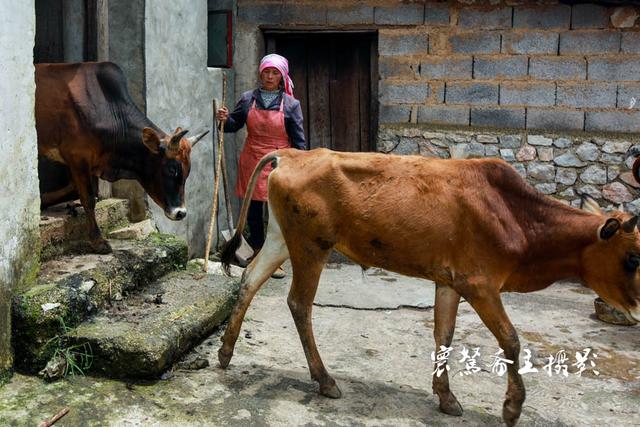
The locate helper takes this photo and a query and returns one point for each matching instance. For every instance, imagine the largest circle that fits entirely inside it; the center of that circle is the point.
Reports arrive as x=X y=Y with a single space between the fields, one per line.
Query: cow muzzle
x=176 y=214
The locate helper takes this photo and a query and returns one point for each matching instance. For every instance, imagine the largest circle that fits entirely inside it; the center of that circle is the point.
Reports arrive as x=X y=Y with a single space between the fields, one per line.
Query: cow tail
x=636 y=170
x=229 y=249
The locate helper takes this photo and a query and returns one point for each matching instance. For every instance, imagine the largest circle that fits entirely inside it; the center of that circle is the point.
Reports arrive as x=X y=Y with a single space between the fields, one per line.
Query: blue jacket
x=293 y=121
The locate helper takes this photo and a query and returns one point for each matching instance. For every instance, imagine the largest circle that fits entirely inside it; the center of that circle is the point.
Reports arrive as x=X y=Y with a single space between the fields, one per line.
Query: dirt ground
x=374 y=332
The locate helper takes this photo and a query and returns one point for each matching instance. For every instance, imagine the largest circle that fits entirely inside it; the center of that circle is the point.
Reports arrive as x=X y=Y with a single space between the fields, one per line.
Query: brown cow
x=475 y=227
x=86 y=120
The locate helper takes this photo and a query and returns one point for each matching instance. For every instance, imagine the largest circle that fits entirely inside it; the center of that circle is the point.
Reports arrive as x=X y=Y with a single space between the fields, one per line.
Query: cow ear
x=151 y=140
x=610 y=227
x=589 y=204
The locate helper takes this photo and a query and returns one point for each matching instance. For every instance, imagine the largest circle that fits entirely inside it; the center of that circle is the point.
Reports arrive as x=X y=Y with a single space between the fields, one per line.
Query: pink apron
x=265 y=133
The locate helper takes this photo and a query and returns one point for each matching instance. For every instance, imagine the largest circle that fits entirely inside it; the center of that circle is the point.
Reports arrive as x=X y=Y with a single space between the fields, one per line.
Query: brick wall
x=551 y=67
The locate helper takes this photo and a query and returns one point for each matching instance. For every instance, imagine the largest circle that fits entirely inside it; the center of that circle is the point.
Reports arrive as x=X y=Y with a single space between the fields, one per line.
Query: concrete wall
x=19 y=237
x=180 y=90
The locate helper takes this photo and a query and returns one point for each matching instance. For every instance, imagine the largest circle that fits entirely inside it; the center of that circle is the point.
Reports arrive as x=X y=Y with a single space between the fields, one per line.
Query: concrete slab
x=144 y=335
x=135 y=231
x=347 y=285
x=72 y=288
x=381 y=361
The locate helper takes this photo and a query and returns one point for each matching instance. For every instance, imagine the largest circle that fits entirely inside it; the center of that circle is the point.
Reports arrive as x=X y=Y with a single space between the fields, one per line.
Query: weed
x=77 y=358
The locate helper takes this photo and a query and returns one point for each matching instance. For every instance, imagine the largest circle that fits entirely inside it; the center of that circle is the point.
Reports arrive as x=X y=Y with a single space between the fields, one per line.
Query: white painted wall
x=19 y=197
x=180 y=90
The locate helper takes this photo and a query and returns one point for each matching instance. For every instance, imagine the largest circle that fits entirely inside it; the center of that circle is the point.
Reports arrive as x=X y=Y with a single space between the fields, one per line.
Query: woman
x=274 y=121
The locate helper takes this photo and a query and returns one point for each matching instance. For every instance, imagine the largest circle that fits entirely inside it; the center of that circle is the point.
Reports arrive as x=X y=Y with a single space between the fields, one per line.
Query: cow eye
x=631 y=262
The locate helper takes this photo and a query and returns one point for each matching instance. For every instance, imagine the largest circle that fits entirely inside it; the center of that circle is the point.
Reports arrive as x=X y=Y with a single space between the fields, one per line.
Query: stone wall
x=19 y=195
x=179 y=90
x=557 y=164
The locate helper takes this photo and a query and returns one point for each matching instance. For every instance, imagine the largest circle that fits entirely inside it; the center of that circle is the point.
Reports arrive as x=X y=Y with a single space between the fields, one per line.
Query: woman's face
x=270 y=78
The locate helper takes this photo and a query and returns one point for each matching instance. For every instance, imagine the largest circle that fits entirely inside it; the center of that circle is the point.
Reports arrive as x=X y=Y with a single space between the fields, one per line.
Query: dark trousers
x=255 y=220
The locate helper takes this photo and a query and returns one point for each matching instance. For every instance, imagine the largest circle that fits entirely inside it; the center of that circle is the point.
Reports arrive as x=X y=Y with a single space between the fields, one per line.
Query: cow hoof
x=101 y=247
x=331 y=390
x=224 y=358
x=451 y=406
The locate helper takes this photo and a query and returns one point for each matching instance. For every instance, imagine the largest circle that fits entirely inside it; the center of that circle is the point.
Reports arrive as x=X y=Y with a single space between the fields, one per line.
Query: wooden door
x=332 y=74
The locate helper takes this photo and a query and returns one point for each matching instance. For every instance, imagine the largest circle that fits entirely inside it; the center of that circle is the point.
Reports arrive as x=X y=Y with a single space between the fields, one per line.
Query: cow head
x=169 y=169
x=611 y=263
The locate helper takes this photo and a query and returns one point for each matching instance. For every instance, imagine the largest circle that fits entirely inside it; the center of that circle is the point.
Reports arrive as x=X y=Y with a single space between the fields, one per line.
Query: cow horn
x=194 y=139
x=175 y=139
x=630 y=224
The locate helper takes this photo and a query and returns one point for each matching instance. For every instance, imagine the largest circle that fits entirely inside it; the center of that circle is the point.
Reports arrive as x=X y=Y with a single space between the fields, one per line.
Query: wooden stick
x=55 y=418
x=216 y=181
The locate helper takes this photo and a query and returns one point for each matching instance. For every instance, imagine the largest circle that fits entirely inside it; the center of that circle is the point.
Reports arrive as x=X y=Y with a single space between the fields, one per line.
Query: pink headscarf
x=281 y=64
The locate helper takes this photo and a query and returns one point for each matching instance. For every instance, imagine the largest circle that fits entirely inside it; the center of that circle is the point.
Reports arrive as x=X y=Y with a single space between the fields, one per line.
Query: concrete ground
x=374 y=333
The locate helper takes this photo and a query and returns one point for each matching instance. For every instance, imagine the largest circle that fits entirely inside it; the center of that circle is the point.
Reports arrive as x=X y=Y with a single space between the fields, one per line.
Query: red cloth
x=265 y=133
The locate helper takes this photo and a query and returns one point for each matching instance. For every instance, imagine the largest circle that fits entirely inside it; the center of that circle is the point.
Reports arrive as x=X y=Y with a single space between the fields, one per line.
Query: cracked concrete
x=380 y=359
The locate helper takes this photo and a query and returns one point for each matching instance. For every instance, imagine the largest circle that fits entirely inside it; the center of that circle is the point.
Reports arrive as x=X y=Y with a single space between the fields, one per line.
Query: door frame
x=374 y=76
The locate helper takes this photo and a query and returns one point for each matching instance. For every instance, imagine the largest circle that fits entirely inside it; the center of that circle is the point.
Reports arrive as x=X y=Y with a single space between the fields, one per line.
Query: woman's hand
x=222 y=114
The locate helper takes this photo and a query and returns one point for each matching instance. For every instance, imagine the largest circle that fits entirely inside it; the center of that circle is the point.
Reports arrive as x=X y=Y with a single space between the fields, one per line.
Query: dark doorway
x=335 y=77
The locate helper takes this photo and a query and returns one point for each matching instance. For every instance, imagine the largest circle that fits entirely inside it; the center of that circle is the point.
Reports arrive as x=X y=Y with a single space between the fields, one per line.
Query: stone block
x=539 y=140
x=547 y=188
x=611 y=159
x=613 y=121
x=541 y=171
x=262 y=14
x=446 y=67
x=628 y=96
x=402 y=93
x=507 y=154
x=566 y=176
x=630 y=42
x=526 y=154
x=443 y=114
x=569 y=159
x=594 y=175
x=356 y=14
x=591 y=95
x=403 y=44
x=589 y=42
x=545 y=154
x=510 y=141
x=475 y=42
x=616 y=147
x=562 y=142
x=614 y=68
x=624 y=17
x=554 y=119
x=542 y=17
x=530 y=42
x=436 y=14
x=304 y=14
x=471 y=93
x=519 y=167
x=589 y=16
x=487 y=139
x=395 y=113
x=588 y=152
x=483 y=18
x=491 y=67
x=613 y=172
x=617 y=192
x=491 y=151
x=558 y=68
x=401 y=14
x=591 y=191
x=391 y=67
x=528 y=93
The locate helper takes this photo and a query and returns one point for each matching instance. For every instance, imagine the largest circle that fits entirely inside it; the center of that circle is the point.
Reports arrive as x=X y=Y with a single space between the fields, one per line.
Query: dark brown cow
x=475 y=227
x=86 y=120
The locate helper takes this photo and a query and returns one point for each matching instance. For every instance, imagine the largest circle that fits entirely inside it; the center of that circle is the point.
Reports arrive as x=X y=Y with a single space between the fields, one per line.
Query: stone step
x=72 y=288
x=63 y=228
x=144 y=335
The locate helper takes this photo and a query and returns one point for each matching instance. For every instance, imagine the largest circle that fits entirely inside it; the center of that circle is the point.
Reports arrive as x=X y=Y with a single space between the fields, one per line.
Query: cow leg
x=83 y=183
x=52 y=197
x=306 y=274
x=271 y=256
x=492 y=313
x=446 y=309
